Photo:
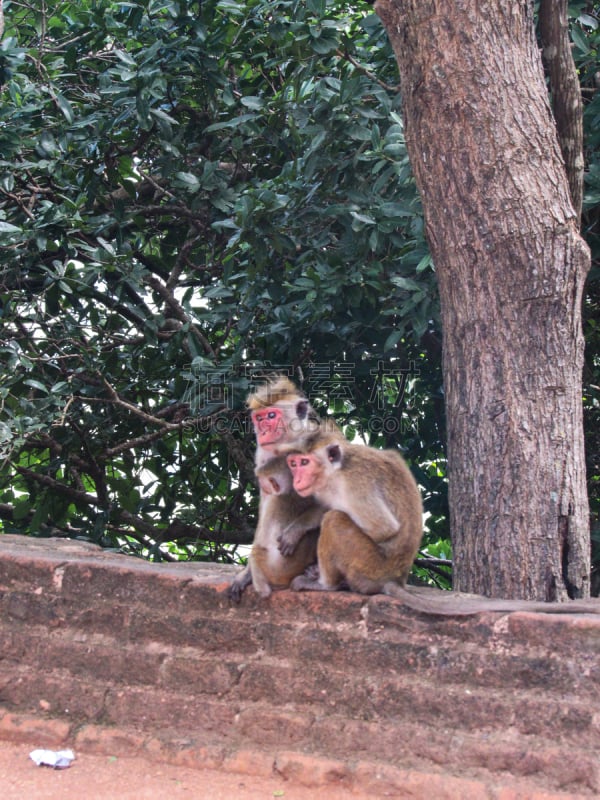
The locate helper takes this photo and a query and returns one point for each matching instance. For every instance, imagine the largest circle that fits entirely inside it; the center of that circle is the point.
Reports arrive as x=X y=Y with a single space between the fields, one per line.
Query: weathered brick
x=563 y=630
x=524 y=792
x=56 y=695
x=122 y=583
x=110 y=741
x=102 y=616
x=335 y=687
x=199 y=676
x=389 y=781
x=271 y=726
x=15 y=644
x=37 y=570
x=155 y=709
x=93 y=660
x=33 y=609
x=46 y=732
x=209 y=635
x=313 y=771
x=185 y=752
x=250 y=762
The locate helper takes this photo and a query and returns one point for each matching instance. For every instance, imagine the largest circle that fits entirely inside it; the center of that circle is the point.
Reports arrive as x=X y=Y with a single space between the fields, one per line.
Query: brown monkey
x=372 y=532
x=273 y=565
x=285 y=539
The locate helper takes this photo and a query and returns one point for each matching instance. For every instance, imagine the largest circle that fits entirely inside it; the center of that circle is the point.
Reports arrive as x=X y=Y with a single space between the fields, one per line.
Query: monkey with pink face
x=368 y=505
x=373 y=528
x=285 y=539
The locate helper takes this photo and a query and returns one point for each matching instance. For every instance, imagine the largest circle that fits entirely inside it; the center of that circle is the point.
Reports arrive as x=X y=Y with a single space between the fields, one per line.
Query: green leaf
x=235 y=122
x=36 y=385
x=407 y=284
x=580 y=41
x=588 y=20
x=188 y=180
x=392 y=340
x=125 y=57
x=7 y=227
x=255 y=103
x=317 y=7
x=66 y=107
x=363 y=218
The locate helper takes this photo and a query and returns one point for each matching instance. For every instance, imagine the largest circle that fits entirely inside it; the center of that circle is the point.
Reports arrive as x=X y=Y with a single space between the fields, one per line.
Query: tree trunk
x=566 y=93
x=511 y=267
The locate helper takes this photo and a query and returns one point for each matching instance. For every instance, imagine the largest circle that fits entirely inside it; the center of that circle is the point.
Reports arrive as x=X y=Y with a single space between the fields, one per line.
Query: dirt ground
x=112 y=778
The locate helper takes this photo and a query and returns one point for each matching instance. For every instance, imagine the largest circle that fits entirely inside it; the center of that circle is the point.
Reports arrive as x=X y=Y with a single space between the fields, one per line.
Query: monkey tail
x=464 y=605
x=425 y=605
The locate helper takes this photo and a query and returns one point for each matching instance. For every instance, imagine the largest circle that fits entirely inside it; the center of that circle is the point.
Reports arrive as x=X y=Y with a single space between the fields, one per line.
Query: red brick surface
x=106 y=652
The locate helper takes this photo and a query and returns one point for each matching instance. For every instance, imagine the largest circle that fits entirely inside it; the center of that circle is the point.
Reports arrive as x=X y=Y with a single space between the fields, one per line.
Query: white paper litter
x=59 y=759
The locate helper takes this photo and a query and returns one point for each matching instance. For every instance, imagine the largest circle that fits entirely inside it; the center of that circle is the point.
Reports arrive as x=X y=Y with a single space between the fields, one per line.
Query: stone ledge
x=110 y=652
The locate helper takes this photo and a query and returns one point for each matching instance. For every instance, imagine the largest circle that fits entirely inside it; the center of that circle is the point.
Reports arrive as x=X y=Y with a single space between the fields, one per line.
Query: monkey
x=271 y=566
x=373 y=527
x=286 y=534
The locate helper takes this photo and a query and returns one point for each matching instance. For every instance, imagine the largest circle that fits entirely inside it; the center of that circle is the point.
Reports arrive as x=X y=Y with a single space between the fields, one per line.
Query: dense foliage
x=585 y=32
x=191 y=194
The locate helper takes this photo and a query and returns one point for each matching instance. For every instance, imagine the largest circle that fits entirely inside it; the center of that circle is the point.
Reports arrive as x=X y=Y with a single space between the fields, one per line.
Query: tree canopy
x=191 y=194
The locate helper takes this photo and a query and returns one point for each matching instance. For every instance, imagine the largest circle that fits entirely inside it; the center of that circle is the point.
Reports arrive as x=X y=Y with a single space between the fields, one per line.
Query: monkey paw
x=303 y=583
x=286 y=544
x=235 y=591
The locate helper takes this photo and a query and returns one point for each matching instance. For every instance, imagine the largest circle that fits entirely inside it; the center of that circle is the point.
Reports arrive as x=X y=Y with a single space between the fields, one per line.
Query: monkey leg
x=271 y=570
x=347 y=556
x=258 y=561
x=239 y=584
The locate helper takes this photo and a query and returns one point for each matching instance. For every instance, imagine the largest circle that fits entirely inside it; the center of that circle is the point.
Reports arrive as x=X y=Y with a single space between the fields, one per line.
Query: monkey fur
x=374 y=523
x=288 y=525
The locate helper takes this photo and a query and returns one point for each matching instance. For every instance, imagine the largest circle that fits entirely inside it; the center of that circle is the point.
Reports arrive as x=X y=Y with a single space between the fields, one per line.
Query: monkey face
x=277 y=483
x=269 y=426
x=306 y=470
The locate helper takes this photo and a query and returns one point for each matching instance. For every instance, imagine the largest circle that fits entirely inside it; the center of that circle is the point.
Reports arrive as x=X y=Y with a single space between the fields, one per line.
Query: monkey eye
x=271 y=415
x=304 y=462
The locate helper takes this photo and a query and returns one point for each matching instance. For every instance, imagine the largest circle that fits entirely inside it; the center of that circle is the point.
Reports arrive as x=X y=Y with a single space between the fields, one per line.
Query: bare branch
x=365 y=71
x=75 y=495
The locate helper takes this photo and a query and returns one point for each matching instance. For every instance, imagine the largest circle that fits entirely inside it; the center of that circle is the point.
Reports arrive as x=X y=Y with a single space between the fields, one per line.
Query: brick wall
x=107 y=652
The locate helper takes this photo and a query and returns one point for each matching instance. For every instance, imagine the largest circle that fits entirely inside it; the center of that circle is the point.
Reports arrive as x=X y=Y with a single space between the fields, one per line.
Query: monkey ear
x=275 y=485
x=302 y=409
x=334 y=454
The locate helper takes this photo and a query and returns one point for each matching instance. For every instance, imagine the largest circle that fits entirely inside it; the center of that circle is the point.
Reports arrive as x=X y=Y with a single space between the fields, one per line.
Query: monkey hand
x=235 y=591
x=289 y=538
x=287 y=542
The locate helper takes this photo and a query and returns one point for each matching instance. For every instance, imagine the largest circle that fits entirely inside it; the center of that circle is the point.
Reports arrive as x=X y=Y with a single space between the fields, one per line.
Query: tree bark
x=511 y=267
x=566 y=94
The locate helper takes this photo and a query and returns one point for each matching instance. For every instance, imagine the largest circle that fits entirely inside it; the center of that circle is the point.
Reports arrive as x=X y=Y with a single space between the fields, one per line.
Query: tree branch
x=366 y=72
x=76 y=495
